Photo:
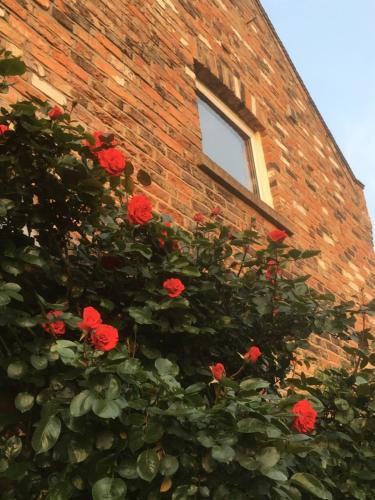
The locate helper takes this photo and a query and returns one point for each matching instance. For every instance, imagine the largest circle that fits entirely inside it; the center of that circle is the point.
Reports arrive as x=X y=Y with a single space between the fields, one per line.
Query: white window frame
x=254 y=138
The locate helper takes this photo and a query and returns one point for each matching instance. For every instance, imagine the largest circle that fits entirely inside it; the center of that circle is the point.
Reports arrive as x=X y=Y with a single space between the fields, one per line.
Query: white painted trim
x=254 y=138
x=218 y=103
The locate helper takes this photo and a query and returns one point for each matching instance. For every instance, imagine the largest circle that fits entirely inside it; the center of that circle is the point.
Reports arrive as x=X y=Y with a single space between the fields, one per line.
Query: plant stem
x=241 y=369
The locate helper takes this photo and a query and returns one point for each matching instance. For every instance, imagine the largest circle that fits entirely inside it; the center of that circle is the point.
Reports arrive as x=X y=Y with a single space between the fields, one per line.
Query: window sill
x=226 y=180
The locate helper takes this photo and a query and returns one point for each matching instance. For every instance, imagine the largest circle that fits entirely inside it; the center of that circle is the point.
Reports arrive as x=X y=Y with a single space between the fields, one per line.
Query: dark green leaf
x=81 y=403
x=24 y=401
x=109 y=488
x=148 y=465
x=12 y=67
x=46 y=434
x=311 y=484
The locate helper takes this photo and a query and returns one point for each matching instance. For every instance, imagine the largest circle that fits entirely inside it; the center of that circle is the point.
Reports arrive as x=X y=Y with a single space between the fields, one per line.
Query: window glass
x=223 y=144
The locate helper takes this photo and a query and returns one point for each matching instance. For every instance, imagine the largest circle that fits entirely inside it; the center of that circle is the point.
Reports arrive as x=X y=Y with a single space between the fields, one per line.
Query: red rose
x=174 y=287
x=164 y=234
x=112 y=160
x=54 y=327
x=104 y=337
x=55 y=112
x=175 y=245
x=91 y=319
x=252 y=354
x=272 y=270
x=3 y=128
x=276 y=311
x=217 y=371
x=215 y=211
x=198 y=217
x=139 y=209
x=304 y=420
x=277 y=236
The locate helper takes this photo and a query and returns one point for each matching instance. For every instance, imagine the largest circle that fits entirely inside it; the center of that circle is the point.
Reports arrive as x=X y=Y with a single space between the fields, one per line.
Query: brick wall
x=131 y=66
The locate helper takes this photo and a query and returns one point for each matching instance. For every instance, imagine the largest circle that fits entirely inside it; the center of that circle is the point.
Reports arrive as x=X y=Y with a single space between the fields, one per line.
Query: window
x=232 y=144
x=224 y=144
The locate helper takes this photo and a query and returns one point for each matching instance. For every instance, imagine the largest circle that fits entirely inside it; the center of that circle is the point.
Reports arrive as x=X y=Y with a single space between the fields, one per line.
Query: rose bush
x=122 y=358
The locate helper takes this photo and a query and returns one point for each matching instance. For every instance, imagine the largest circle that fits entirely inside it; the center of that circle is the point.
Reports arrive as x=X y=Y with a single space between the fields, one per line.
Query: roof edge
x=329 y=133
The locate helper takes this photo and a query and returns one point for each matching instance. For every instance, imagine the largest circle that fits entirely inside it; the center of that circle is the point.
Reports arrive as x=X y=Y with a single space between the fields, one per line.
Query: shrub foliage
x=141 y=360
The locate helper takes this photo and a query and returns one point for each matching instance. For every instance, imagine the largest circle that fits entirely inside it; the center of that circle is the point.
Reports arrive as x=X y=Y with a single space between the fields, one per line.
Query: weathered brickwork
x=131 y=66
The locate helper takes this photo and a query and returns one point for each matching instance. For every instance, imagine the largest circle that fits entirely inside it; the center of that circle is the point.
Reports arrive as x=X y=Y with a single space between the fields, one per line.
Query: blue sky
x=332 y=44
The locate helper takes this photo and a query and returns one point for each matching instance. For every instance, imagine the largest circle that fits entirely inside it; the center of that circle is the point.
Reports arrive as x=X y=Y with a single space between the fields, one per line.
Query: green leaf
x=141 y=315
x=144 y=250
x=166 y=367
x=129 y=168
x=67 y=356
x=78 y=450
x=81 y=404
x=204 y=492
x=39 y=362
x=60 y=491
x=105 y=409
x=26 y=321
x=267 y=458
x=4 y=299
x=24 y=401
x=10 y=266
x=129 y=367
x=136 y=440
x=276 y=475
x=184 y=491
x=16 y=370
x=345 y=416
x=292 y=492
x=223 y=453
x=107 y=304
x=11 y=287
x=307 y=254
x=148 y=465
x=311 y=484
x=5 y=206
x=190 y=271
x=12 y=67
x=3 y=465
x=64 y=343
x=246 y=461
x=13 y=447
x=251 y=425
x=153 y=432
x=342 y=404
x=150 y=352
x=91 y=187
x=253 y=384
x=109 y=488
x=294 y=253
x=105 y=440
x=127 y=468
x=205 y=439
x=169 y=465
x=195 y=388
x=46 y=434
x=263 y=304
x=113 y=388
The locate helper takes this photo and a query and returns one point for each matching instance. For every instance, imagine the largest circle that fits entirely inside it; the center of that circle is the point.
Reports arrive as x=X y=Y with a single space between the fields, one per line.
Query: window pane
x=223 y=144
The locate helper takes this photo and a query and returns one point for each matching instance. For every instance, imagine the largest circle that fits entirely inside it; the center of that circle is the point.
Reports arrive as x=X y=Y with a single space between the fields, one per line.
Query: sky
x=332 y=44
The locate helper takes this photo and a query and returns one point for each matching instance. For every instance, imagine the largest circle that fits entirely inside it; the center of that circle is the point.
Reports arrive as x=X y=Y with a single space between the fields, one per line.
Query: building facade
x=181 y=83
